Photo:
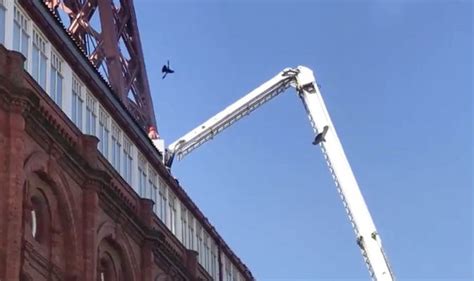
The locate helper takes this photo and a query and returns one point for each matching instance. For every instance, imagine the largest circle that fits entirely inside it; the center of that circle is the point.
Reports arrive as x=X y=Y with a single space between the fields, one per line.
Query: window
x=214 y=262
x=184 y=226
x=77 y=103
x=39 y=59
x=56 y=83
x=228 y=270
x=127 y=160
x=111 y=264
x=199 y=243
x=163 y=206
x=104 y=132
x=234 y=274
x=91 y=115
x=116 y=146
x=152 y=185
x=207 y=252
x=2 y=22
x=190 y=231
x=20 y=33
x=172 y=212
x=141 y=176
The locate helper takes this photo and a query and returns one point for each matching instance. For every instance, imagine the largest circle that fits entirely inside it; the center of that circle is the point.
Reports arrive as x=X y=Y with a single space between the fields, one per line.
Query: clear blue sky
x=397 y=79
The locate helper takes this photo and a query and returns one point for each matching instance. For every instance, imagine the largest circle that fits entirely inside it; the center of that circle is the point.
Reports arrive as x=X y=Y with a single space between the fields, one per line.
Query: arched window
x=39 y=218
x=112 y=265
x=48 y=224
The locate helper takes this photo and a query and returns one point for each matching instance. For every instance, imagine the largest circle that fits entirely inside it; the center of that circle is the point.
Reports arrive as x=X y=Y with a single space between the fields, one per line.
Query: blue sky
x=397 y=79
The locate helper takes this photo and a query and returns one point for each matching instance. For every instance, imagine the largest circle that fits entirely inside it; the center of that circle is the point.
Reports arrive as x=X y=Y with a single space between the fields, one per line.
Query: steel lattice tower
x=107 y=31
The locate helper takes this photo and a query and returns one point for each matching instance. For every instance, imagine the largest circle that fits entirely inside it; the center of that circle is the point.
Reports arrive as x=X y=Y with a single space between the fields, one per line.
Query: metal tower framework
x=107 y=31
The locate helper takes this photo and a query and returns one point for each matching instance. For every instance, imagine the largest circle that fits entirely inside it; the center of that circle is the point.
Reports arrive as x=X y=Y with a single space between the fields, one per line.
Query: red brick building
x=85 y=195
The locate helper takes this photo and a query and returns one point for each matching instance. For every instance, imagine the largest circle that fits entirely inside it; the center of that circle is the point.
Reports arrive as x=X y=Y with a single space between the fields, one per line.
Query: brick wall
x=64 y=213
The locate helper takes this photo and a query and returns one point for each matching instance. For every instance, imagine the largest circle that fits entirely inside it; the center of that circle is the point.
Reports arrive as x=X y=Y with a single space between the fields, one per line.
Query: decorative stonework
x=43 y=178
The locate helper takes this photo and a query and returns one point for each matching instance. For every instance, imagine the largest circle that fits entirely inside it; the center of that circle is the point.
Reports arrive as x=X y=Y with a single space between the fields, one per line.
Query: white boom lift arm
x=303 y=80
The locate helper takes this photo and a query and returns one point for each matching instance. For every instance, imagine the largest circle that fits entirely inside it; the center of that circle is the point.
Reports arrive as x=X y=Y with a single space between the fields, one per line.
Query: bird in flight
x=166 y=69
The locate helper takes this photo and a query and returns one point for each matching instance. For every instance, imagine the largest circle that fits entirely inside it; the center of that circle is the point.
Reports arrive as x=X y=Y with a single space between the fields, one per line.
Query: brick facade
x=65 y=214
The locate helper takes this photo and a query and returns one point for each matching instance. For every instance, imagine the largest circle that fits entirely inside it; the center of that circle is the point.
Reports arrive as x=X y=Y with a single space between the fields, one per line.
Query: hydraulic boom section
x=346 y=184
x=229 y=115
x=303 y=80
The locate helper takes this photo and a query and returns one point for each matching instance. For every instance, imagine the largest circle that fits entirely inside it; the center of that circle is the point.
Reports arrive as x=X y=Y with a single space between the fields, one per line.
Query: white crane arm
x=229 y=115
x=303 y=80
x=366 y=234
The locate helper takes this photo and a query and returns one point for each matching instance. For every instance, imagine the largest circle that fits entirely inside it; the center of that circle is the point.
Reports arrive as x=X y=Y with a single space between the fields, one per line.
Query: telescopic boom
x=302 y=79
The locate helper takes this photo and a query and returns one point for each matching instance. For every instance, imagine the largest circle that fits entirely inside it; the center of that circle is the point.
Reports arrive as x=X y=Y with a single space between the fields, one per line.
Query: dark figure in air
x=166 y=70
x=320 y=137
